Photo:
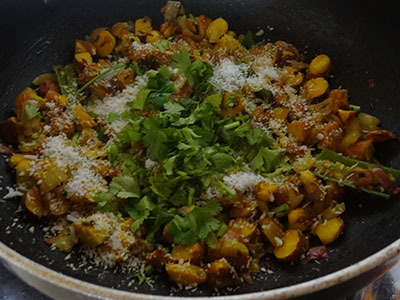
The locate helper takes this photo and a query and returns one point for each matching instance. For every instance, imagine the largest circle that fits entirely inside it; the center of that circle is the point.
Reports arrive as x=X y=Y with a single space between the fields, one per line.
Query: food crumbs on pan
x=270 y=272
x=192 y=152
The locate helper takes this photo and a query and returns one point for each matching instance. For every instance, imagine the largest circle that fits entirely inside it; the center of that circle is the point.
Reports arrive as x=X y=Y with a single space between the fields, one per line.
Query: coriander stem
x=116 y=67
x=75 y=139
x=355 y=107
x=181 y=173
x=191 y=196
x=232 y=125
x=225 y=189
x=281 y=208
x=334 y=157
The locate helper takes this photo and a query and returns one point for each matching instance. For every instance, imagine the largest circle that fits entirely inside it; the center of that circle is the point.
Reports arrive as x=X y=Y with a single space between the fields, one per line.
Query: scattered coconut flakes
x=12 y=193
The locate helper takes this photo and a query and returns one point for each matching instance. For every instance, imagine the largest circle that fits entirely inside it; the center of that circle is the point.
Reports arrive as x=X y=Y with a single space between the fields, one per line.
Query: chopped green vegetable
x=101 y=133
x=160 y=87
x=333 y=156
x=193 y=19
x=136 y=68
x=102 y=74
x=212 y=238
x=355 y=107
x=122 y=186
x=283 y=167
x=154 y=139
x=103 y=198
x=140 y=212
x=30 y=111
x=232 y=125
x=75 y=139
x=215 y=100
x=143 y=276
x=112 y=116
x=125 y=187
x=353 y=186
x=140 y=99
x=223 y=189
x=259 y=33
x=188 y=148
x=194 y=72
x=248 y=40
x=162 y=45
x=265 y=94
x=281 y=208
x=196 y=225
x=267 y=159
x=231 y=101
x=181 y=61
x=68 y=83
x=130 y=134
x=92 y=114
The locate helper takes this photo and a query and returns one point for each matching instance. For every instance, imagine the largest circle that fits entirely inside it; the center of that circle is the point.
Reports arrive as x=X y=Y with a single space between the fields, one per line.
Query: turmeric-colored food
x=330 y=230
x=293 y=246
x=191 y=149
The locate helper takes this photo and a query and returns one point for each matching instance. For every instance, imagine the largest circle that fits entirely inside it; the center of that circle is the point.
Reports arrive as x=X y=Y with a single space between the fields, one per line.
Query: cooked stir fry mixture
x=193 y=150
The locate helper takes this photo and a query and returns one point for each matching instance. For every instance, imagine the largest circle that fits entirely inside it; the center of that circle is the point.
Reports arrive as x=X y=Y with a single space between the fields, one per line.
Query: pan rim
x=77 y=286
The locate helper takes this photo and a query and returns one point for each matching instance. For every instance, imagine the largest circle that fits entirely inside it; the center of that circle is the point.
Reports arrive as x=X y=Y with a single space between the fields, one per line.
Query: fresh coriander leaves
x=160 y=87
x=157 y=92
x=231 y=101
x=162 y=45
x=75 y=139
x=266 y=159
x=196 y=225
x=188 y=148
x=122 y=186
x=194 y=72
x=182 y=61
x=112 y=116
x=126 y=186
x=215 y=100
x=172 y=108
x=136 y=68
x=222 y=161
x=130 y=133
x=248 y=40
x=140 y=212
x=140 y=100
x=154 y=139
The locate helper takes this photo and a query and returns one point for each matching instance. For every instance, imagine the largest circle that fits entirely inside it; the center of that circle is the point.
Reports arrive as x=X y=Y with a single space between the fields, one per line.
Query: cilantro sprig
x=195 y=72
x=190 y=147
x=159 y=88
x=196 y=225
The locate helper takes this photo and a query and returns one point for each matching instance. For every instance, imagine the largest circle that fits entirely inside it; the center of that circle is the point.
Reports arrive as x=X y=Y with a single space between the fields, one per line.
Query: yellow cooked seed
x=216 y=30
x=316 y=87
x=330 y=230
x=153 y=36
x=319 y=65
x=83 y=57
x=105 y=43
x=143 y=26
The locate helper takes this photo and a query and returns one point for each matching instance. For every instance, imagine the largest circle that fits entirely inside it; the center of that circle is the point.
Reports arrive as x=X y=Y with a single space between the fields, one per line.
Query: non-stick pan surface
x=362 y=39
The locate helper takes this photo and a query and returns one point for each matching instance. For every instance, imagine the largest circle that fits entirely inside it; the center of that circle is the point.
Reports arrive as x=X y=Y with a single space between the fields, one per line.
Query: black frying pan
x=361 y=38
